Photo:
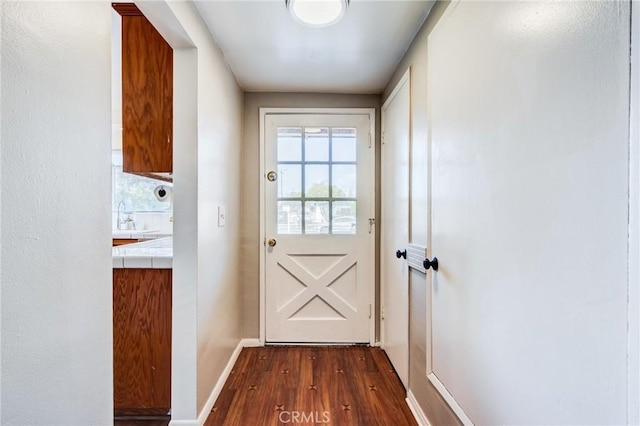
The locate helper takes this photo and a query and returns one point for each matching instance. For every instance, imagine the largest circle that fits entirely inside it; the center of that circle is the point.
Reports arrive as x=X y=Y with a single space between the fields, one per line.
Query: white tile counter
x=152 y=254
x=137 y=235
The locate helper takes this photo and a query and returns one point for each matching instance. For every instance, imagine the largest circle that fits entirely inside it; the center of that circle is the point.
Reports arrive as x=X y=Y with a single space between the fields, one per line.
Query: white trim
x=633 y=309
x=457 y=409
x=263 y=297
x=430 y=277
x=251 y=343
x=394 y=92
x=374 y=228
x=371 y=112
x=317 y=111
x=416 y=410
x=435 y=381
x=206 y=410
x=183 y=423
x=314 y=344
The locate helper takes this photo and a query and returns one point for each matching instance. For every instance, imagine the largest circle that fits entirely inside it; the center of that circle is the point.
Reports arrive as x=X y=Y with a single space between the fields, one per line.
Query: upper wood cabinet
x=147 y=95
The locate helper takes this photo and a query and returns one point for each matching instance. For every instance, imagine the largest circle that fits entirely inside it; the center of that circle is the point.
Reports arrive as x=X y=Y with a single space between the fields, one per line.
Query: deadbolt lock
x=272 y=242
x=272 y=176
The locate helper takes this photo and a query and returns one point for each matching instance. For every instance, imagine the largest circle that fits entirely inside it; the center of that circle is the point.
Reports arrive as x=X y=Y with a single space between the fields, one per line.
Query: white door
x=319 y=197
x=395 y=228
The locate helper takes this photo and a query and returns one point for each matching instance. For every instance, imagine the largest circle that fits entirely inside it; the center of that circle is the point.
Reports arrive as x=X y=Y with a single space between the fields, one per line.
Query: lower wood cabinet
x=142 y=341
x=123 y=241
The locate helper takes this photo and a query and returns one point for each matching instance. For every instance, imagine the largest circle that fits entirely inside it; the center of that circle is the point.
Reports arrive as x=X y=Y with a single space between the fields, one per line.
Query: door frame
x=371 y=112
x=633 y=338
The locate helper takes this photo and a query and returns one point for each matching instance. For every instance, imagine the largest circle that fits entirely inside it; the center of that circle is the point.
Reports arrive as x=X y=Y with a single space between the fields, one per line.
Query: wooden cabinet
x=123 y=241
x=142 y=341
x=147 y=95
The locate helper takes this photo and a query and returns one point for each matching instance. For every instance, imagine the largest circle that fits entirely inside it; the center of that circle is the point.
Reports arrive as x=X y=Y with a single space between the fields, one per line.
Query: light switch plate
x=222 y=216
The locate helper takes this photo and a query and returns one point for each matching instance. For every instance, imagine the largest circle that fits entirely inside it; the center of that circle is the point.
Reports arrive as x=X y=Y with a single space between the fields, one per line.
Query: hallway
x=274 y=385
x=520 y=174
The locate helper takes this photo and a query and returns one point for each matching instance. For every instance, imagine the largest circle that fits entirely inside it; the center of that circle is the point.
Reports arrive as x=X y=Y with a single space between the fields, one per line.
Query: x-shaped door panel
x=317 y=287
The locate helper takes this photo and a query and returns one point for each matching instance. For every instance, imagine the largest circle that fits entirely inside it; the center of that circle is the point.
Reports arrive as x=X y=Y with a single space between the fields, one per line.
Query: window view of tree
x=317 y=181
x=321 y=190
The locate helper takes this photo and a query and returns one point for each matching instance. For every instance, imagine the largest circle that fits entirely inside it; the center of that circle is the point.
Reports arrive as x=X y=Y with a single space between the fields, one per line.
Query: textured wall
x=527 y=106
x=530 y=163
x=55 y=229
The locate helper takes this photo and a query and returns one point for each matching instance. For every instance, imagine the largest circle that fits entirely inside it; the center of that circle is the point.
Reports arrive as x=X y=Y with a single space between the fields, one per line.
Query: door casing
x=633 y=416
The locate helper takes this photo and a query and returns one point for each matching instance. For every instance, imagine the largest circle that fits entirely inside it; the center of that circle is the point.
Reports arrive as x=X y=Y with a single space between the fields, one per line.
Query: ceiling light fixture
x=317 y=13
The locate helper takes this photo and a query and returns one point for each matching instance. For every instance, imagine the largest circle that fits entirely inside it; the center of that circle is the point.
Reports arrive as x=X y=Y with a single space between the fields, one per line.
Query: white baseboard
x=183 y=423
x=251 y=343
x=206 y=410
x=450 y=399
x=415 y=408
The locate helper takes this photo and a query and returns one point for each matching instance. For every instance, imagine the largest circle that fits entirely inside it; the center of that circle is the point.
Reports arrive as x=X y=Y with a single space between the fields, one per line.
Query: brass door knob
x=272 y=242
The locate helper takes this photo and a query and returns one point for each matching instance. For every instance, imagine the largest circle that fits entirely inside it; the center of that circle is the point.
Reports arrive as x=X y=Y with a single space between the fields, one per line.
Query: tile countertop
x=135 y=235
x=152 y=254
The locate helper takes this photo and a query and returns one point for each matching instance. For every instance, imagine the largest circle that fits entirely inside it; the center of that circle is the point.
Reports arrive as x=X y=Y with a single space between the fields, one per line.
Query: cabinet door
x=142 y=341
x=147 y=98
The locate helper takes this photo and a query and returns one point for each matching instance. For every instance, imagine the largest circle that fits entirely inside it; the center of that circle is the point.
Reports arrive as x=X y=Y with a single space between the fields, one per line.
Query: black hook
x=402 y=253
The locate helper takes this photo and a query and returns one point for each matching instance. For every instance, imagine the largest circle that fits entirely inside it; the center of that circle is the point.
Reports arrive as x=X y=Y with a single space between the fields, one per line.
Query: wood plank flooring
x=338 y=386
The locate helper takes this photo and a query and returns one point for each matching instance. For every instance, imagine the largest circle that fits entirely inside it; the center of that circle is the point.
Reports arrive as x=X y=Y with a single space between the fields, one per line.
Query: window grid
x=303 y=199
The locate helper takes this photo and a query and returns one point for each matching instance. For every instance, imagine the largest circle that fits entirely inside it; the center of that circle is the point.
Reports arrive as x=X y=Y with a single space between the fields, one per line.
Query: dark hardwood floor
x=278 y=385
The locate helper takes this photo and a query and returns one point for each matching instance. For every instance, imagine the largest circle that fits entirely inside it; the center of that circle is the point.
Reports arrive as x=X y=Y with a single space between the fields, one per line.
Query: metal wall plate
x=415 y=256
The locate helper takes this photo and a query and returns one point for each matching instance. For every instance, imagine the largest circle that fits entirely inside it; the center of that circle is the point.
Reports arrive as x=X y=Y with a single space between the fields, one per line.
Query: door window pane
x=343 y=144
x=344 y=181
x=344 y=220
x=289 y=144
x=316 y=146
x=316 y=181
x=289 y=217
x=289 y=180
x=316 y=217
x=344 y=208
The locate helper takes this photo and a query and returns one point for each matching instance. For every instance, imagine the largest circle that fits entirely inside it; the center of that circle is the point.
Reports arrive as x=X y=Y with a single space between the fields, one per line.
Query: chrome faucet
x=119 y=221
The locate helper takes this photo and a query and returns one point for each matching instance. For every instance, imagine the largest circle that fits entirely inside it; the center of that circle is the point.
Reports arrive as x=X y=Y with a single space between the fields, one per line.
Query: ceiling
x=268 y=51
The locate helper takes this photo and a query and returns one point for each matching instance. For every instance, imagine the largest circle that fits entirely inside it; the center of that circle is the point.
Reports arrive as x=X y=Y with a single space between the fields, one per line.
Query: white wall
x=207 y=312
x=527 y=105
x=529 y=186
x=184 y=354
x=220 y=103
x=55 y=228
